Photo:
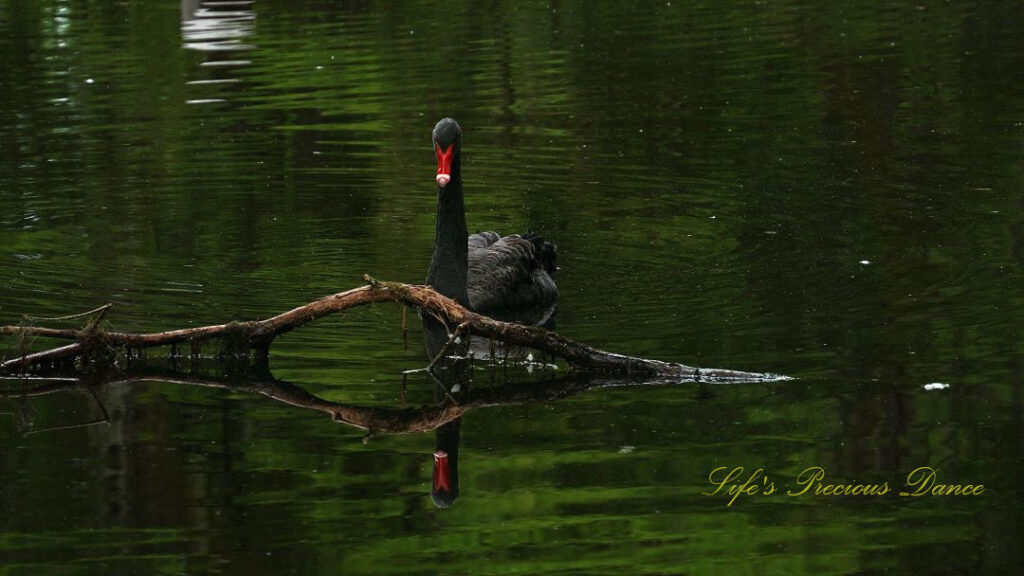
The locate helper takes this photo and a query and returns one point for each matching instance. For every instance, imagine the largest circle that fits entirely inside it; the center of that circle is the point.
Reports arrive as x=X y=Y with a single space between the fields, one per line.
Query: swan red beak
x=444 y=167
x=442 y=481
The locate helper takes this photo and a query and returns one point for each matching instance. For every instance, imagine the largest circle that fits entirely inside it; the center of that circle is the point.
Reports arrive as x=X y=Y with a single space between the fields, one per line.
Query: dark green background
x=829 y=190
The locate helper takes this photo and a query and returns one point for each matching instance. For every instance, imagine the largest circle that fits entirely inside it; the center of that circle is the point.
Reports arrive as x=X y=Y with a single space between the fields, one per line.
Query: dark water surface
x=832 y=192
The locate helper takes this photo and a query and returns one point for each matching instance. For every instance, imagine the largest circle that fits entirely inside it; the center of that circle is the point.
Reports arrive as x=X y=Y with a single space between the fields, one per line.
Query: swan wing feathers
x=483 y=239
x=510 y=271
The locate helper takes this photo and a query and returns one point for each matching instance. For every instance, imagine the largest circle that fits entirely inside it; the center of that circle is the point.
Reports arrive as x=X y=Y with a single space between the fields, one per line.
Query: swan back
x=510 y=272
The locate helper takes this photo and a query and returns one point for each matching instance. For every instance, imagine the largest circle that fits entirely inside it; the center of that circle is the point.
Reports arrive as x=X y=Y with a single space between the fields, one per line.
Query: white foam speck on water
x=227 y=63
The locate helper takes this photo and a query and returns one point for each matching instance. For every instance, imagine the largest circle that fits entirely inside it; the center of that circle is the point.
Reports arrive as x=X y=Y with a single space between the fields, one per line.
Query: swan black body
x=494 y=275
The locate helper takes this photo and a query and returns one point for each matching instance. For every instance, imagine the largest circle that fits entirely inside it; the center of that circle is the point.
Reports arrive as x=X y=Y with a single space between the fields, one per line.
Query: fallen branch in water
x=258 y=334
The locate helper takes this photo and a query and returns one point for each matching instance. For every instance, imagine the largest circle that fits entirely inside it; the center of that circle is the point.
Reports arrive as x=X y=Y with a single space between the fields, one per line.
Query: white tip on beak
x=443 y=179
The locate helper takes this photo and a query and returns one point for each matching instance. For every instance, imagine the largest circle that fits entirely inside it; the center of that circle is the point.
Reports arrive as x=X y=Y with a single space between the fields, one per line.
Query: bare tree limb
x=261 y=332
x=41 y=357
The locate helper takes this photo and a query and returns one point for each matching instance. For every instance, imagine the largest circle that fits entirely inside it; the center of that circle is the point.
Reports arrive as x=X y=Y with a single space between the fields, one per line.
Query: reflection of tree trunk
x=115 y=404
x=238 y=337
x=188 y=9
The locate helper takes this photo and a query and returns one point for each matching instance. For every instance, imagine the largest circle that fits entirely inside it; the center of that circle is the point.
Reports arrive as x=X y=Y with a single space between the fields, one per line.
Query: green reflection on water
x=714 y=177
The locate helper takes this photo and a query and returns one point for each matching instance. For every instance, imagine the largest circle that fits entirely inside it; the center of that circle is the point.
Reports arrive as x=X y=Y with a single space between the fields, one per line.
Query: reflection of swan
x=449 y=385
x=444 y=488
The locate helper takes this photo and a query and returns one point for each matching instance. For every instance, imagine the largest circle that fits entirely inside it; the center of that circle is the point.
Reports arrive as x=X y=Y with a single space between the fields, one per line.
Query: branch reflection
x=454 y=397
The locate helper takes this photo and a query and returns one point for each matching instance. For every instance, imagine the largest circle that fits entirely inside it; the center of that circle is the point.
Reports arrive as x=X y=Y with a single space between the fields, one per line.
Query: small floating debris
x=936 y=386
x=227 y=63
x=626 y=449
x=205 y=101
x=212 y=81
x=865 y=262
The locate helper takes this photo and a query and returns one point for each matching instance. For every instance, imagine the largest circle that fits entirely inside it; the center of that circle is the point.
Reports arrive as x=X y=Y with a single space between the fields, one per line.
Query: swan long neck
x=448 y=267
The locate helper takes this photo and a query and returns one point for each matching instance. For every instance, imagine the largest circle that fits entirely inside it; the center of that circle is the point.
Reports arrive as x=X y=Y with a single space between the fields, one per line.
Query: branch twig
x=444 y=349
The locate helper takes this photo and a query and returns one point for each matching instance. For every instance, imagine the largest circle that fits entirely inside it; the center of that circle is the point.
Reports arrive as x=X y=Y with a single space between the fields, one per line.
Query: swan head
x=447 y=138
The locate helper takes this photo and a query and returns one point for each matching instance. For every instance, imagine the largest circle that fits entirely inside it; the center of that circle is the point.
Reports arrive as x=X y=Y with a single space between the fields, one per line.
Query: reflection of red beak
x=444 y=164
x=441 y=478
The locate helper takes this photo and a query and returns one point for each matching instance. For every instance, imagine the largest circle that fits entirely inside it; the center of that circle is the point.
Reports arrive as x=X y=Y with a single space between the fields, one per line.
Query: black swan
x=501 y=276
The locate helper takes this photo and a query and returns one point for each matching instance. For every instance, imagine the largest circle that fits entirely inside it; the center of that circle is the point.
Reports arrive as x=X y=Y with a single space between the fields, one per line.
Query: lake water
x=832 y=192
